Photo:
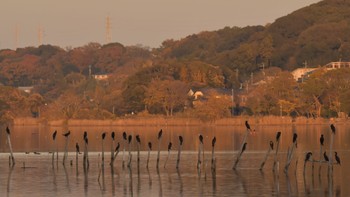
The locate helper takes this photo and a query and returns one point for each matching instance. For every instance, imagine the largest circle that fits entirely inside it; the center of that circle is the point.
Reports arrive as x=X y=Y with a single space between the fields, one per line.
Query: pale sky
x=147 y=22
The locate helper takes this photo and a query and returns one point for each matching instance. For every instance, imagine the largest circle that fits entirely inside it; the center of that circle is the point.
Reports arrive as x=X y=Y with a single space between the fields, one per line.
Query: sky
x=73 y=23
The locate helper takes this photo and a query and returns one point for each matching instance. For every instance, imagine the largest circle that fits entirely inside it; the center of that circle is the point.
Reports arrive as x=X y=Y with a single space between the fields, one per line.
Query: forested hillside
x=156 y=81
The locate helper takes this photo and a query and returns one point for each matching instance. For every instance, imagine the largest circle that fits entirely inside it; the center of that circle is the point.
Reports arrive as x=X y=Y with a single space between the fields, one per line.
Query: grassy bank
x=161 y=121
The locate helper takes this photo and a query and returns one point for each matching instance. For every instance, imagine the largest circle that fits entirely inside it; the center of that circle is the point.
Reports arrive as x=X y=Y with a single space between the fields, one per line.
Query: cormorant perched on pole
x=321 y=140
x=333 y=128
x=271 y=145
x=85 y=135
x=103 y=135
x=54 y=135
x=113 y=135
x=308 y=156
x=8 y=131
x=201 y=139
x=337 y=158
x=181 y=140
x=160 y=133
x=66 y=134
x=278 y=135
x=77 y=148
x=138 y=140
x=325 y=156
x=247 y=125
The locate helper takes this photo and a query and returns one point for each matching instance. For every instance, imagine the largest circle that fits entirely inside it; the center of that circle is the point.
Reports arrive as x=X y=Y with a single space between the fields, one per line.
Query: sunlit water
x=34 y=175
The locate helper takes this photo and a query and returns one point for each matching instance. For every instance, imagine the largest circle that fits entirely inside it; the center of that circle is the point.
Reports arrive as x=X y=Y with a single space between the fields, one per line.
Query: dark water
x=40 y=178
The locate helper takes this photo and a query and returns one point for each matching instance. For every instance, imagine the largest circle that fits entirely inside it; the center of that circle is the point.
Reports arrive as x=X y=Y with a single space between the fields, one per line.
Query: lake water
x=41 y=178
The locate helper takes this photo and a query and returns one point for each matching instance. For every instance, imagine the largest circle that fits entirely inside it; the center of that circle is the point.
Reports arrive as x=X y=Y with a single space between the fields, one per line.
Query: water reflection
x=139 y=180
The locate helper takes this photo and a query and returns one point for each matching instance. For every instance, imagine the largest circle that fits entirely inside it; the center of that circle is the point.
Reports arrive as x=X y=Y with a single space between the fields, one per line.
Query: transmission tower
x=108 y=30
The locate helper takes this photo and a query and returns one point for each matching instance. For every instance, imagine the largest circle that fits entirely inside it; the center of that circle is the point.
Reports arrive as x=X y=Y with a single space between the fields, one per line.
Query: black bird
x=85 y=135
x=308 y=156
x=138 y=139
x=247 y=125
x=295 y=136
x=86 y=140
x=271 y=145
x=278 y=135
x=129 y=139
x=325 y=156
x=160 y=133
x=201 y=138
x=213 y=142
x=321 y=140
x=66 y=134
x=124 y=135
x=333 y=129
x=8 y=131
x=337 y=158
x=150 y=145
x=54 y=135
x=113 y=135
x=244 y=147
x=169 y=146
x=117 y=148
x=77 y=147
x=103 y=135
x=181 y=140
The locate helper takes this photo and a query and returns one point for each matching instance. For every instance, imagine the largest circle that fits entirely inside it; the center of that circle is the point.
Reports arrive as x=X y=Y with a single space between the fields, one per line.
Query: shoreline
x=176 y=121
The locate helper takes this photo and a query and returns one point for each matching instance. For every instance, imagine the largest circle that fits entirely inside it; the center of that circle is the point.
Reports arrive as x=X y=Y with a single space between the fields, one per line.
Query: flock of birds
x=128 y=139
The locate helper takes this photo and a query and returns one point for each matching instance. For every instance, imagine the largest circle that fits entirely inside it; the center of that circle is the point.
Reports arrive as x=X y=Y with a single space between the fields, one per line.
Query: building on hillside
x=337 y=65
x=300 y=74
x=101 y=76
x=26 y=89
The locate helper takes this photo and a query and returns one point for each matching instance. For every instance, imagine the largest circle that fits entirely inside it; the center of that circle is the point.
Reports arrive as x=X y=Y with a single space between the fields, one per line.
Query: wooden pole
x=124 y=140
x=169 y=149
x=160 y=133
x=199 y=162
x=290 y=153
x=55 y=148
x=10 y=146
x=112 y=147
x=130 y=156
x=243 y=145
x=66 y=135
x=330 y=163
x=213 y=162
x=138 y=148
x=267 y=155
x=149 y=152
x=103 y=151
x=116 y=153
x=278 y=136
x=179 y=152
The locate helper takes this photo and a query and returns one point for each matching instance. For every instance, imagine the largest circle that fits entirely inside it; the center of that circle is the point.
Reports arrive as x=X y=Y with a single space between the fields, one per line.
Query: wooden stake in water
x=179 y=152
x=138 y=140
x=199 y=152
x=169 y=149
x=213 y=160
x=278 y=136
x=116 y=151
x=160 y=133
x=55 y=144
x=77 y=152
x=112 y=147
x=10 y=145
x=308 y=157
x=267 y=155
x=130 y=156
x=86 y=152
x=103 y=151
x=330 y=163
x=290 y=153
x=66 y=135
x=321 y=150
x=124 y=141
x=149 y=153
x=243 y=145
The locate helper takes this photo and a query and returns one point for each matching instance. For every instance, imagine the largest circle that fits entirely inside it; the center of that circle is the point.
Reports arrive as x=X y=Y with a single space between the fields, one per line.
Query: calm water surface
x=41 y=178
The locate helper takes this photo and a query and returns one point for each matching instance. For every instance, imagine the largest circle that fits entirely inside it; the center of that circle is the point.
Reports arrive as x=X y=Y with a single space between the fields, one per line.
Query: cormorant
x=138 y=139
x=169 y=146
x=124 y=135
x=129 y=138
x=103 y=135
x=333 y=129
x=337 y=158
x=278 y=135
x=321 y=140
x=54 y=135
x=66 y=134
x=201 y=138
x=8 y=131
x=181 y=140
x=150 y=145
x=77 y=148
x=213 y=142
x=247 y=125
x=271 y=145
x=308 y=156
x=325 y=156
x=113 y=135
